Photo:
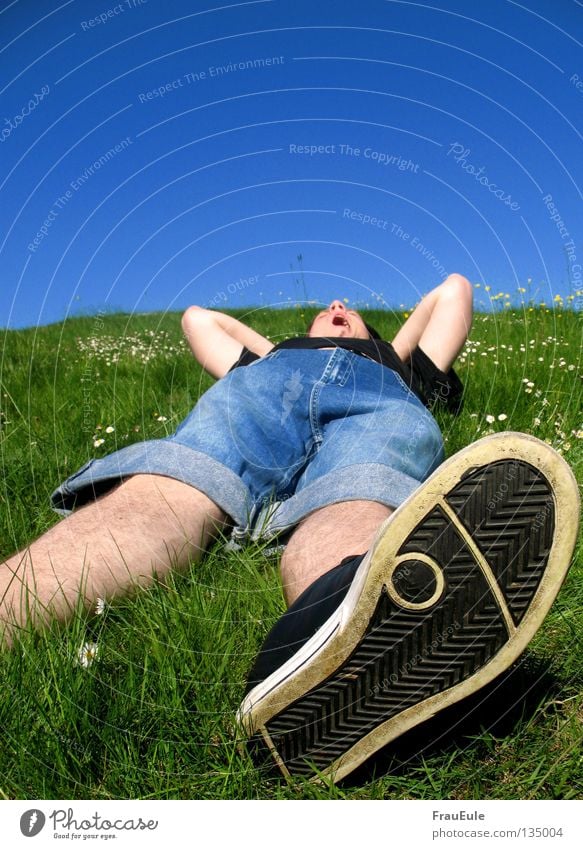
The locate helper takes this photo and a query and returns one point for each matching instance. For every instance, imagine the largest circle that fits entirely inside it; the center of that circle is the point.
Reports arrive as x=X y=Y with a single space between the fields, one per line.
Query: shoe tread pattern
x=508 y=509
x=404 y=657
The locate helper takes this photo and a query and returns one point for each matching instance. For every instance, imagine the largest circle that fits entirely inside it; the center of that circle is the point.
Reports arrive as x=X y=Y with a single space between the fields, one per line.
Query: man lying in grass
x=411 y=581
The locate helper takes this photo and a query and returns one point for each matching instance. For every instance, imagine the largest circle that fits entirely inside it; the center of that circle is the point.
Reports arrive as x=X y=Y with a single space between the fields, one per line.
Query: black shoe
x=303 y=618
x=457 y=583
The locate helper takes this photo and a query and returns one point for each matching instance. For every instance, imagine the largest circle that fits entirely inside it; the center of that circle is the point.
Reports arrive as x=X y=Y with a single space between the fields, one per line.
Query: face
x=336 y=320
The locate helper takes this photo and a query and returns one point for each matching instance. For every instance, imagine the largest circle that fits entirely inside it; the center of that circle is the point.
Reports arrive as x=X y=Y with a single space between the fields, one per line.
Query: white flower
x=536 y=421
x=109 y=429
x=502 y=417
x=100 y=606
x=98 y=442
x=87 y=654
x=161 y=419
x=490 y=419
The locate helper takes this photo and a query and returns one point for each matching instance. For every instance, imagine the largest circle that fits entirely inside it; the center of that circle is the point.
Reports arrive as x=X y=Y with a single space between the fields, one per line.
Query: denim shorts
x=292 y=432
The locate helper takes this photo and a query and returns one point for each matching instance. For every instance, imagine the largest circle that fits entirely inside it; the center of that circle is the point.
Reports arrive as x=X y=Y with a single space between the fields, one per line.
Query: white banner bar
x=270 y=824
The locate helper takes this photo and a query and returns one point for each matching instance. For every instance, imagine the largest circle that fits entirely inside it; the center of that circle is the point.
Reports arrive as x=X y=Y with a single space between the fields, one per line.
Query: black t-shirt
x=431 y=385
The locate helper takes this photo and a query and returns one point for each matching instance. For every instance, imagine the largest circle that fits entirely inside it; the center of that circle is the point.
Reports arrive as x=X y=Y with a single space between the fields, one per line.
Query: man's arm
x=216 y=339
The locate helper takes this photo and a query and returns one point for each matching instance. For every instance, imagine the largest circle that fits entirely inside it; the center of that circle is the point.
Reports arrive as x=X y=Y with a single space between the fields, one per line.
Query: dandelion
x=98 y=442
x=87 y=654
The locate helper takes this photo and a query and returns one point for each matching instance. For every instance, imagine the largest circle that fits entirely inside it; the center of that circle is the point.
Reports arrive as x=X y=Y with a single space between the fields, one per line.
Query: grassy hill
x=153 y=715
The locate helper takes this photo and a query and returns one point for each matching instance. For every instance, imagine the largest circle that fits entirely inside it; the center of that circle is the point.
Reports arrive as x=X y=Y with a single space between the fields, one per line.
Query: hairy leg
x=324 y=538
x=440 y=324
x=147 y=525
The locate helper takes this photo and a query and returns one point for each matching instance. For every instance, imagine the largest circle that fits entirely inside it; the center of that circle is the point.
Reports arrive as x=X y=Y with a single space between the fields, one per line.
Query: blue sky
x=155 y=155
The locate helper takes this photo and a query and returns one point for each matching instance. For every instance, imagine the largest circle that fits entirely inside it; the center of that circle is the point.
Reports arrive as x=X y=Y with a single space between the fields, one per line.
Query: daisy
x=87 y=654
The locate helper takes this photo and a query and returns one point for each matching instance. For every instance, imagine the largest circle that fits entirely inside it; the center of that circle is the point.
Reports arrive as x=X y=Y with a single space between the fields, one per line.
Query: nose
x=337 y=306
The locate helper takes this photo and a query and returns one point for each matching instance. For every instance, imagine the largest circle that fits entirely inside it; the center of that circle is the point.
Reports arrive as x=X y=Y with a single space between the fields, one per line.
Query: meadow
x=138 y=699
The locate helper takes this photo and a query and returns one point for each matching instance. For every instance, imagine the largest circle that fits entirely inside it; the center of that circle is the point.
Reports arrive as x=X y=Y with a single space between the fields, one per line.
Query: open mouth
x=339 y=320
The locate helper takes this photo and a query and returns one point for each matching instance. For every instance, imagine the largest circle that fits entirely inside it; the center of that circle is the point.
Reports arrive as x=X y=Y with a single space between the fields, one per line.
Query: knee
x=459 y=287
x=193 y=317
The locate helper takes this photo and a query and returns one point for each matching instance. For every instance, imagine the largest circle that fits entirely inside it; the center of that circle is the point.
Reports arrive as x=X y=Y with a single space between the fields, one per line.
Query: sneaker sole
x=457 y=583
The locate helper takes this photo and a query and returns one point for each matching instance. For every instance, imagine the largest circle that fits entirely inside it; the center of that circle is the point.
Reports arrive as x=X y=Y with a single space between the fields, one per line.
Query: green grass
x=153 y=716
